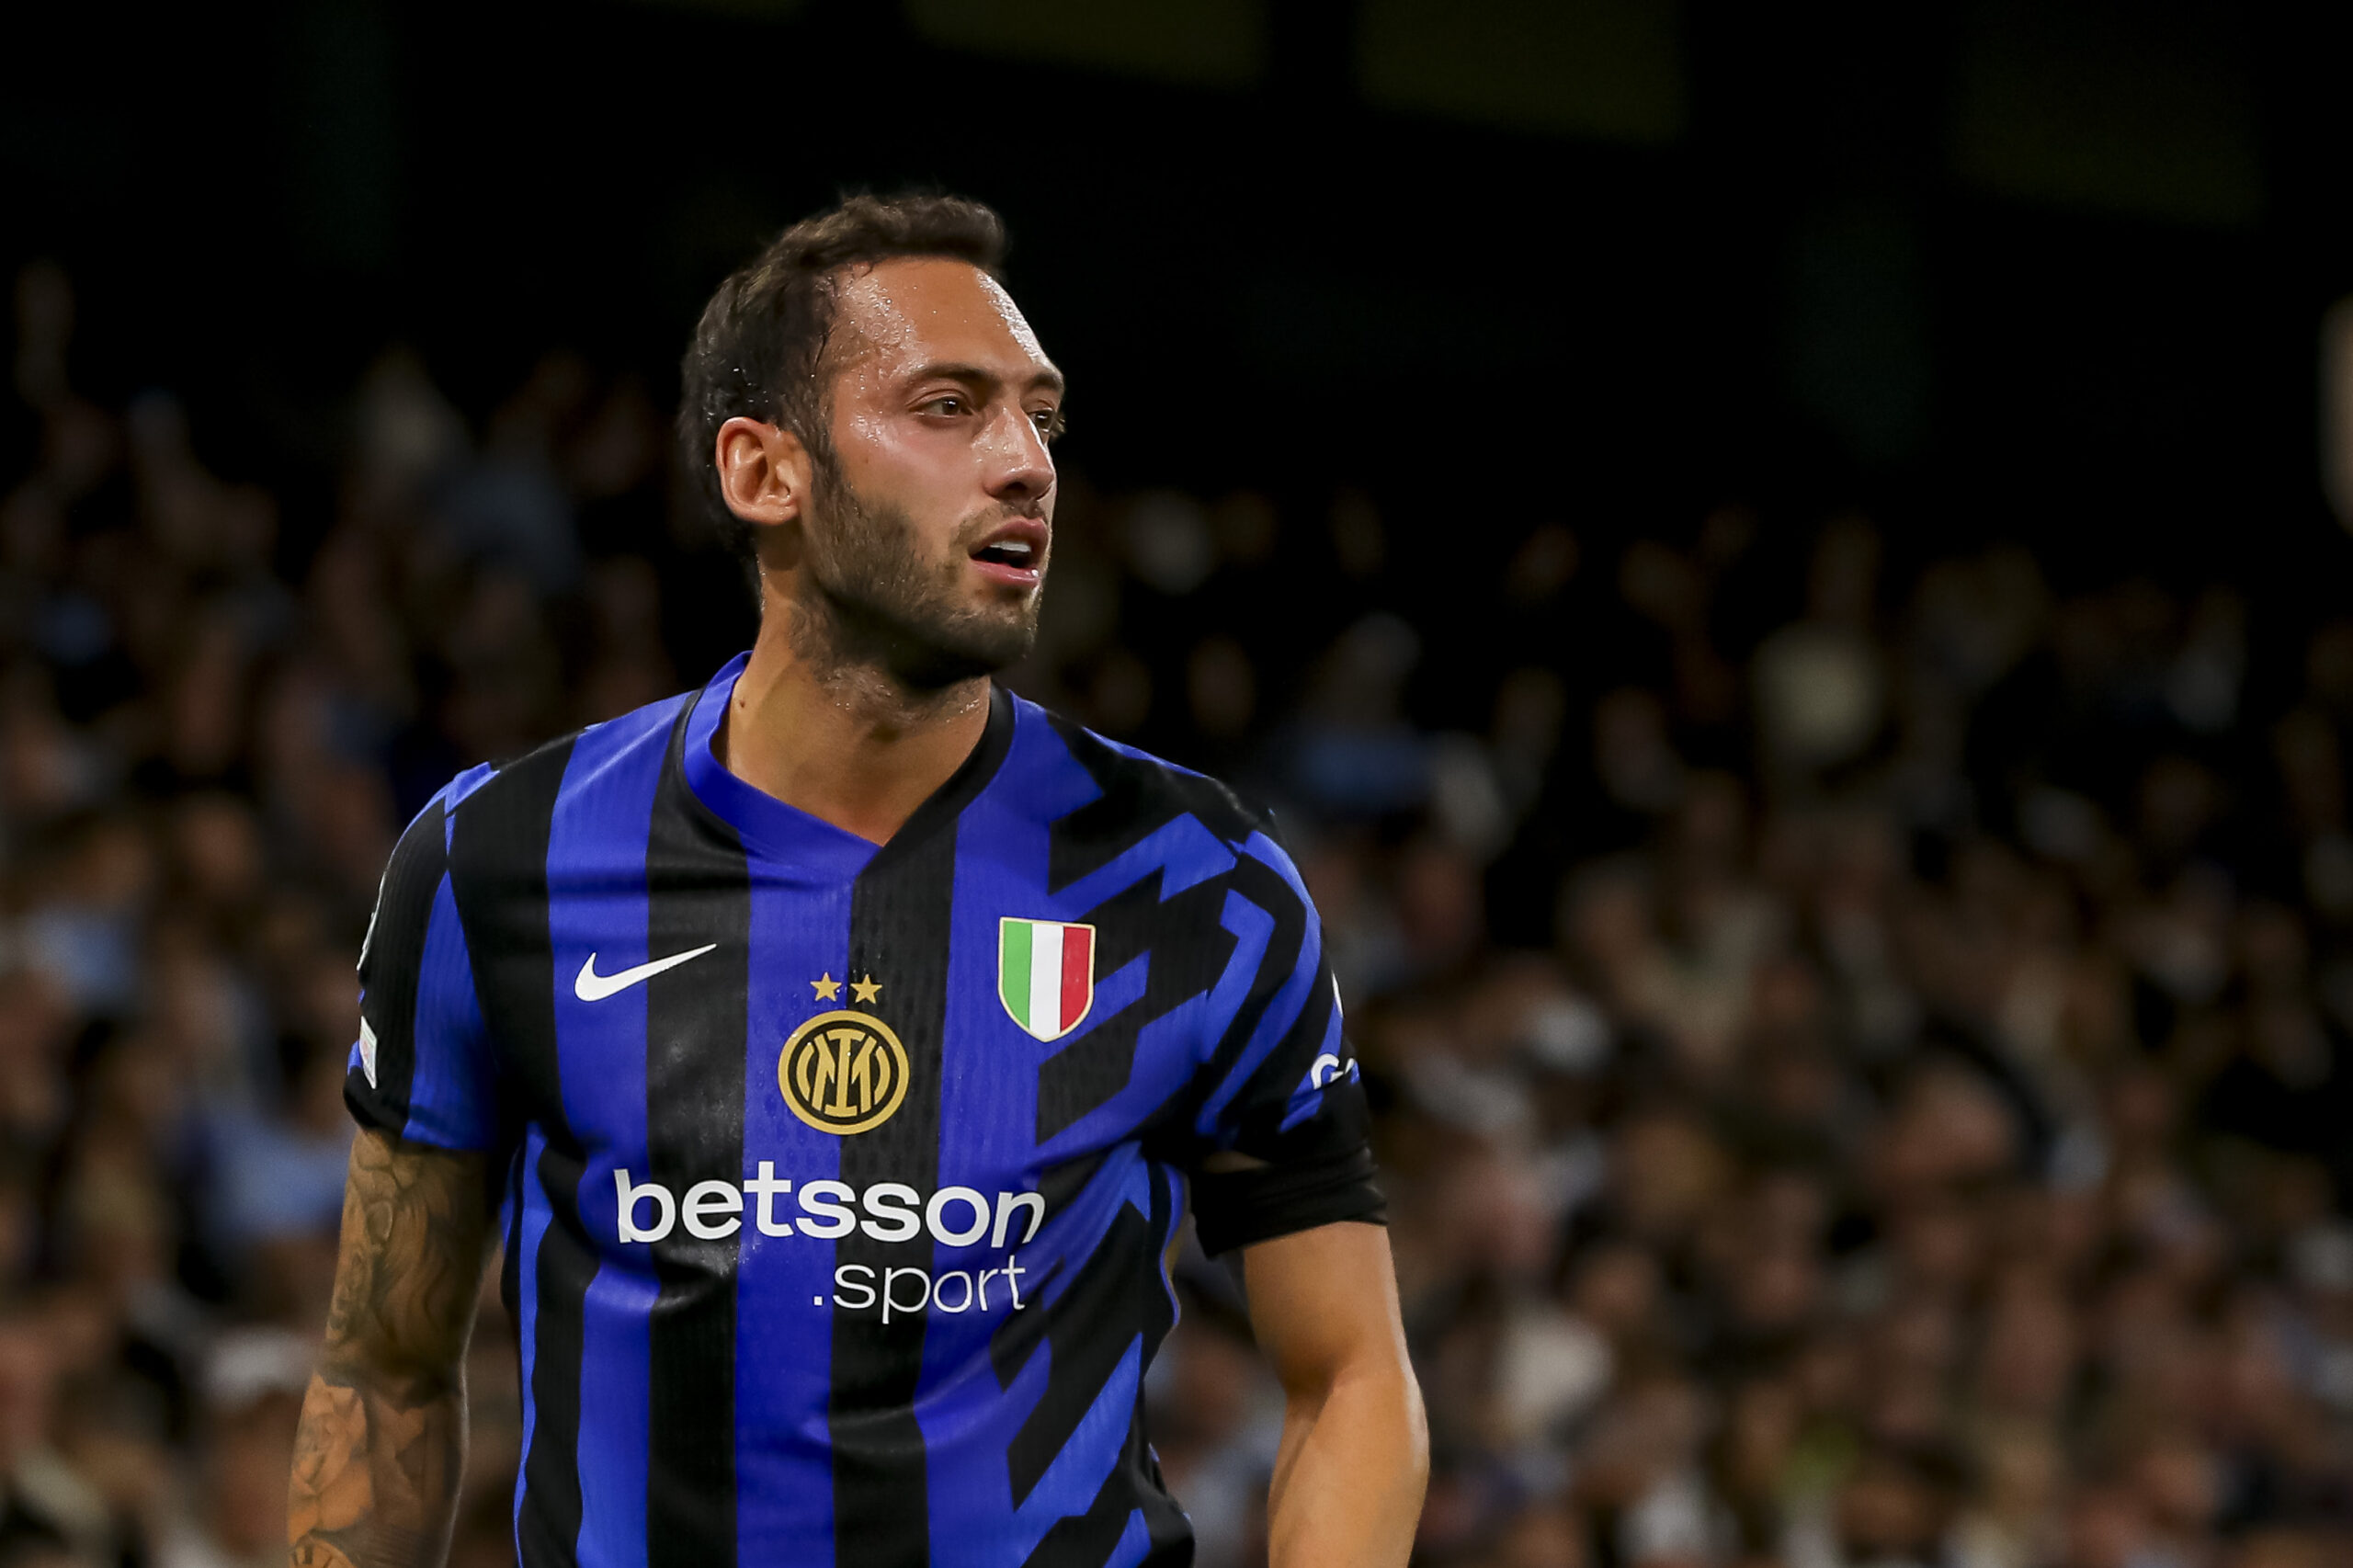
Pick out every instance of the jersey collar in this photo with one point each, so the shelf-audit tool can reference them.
(776, 831)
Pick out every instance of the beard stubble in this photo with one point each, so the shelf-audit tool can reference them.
(871, 598)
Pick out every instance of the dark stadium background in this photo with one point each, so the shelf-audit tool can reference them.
(1488, 418)
(2011, 267)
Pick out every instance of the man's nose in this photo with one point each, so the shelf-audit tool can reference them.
(1020, 466)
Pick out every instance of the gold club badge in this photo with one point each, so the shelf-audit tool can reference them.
(843, 1072)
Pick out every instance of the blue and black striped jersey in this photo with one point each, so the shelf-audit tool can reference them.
(840, 1179)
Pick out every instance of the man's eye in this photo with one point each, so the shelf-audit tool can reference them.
(949, 404)
(1048, 420)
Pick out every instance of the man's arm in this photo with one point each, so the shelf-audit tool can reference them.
(1355, 1453)
(383, 1439)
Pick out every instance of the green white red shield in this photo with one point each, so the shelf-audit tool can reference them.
(1045, 974)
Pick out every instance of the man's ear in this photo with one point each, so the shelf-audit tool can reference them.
(764, 473)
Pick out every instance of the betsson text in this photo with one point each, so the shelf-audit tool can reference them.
(953, 1216)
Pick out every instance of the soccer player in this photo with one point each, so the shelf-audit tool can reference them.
(833, 1046)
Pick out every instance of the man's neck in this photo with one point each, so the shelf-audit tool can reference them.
(844, 742)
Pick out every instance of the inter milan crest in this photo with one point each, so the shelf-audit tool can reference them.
(843, 1073)
(1045, 974)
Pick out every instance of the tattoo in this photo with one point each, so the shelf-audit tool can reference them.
(382, 1438)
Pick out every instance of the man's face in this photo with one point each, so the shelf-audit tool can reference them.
(929, 527)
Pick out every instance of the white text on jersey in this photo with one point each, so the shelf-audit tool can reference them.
(712, 1210)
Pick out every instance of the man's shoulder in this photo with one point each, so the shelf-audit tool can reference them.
(1134, 792)
(639, 738)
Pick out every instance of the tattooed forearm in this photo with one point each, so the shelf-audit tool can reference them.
(382, 1438)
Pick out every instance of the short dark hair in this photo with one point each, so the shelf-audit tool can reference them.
(759, 349)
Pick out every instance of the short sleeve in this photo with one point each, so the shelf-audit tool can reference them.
(422, 1068)
(1285, 1094)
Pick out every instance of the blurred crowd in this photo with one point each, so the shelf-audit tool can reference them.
(1856, 1039)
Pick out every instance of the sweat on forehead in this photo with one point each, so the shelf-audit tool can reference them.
(890, 304)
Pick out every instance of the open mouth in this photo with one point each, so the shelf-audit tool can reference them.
(1014, 551)
(1006, 552)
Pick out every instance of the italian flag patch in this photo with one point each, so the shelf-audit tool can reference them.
(1045, 974)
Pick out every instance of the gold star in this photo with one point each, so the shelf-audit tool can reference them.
(866, 990)
(826, 986)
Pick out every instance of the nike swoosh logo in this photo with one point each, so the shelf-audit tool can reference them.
(590, 986)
